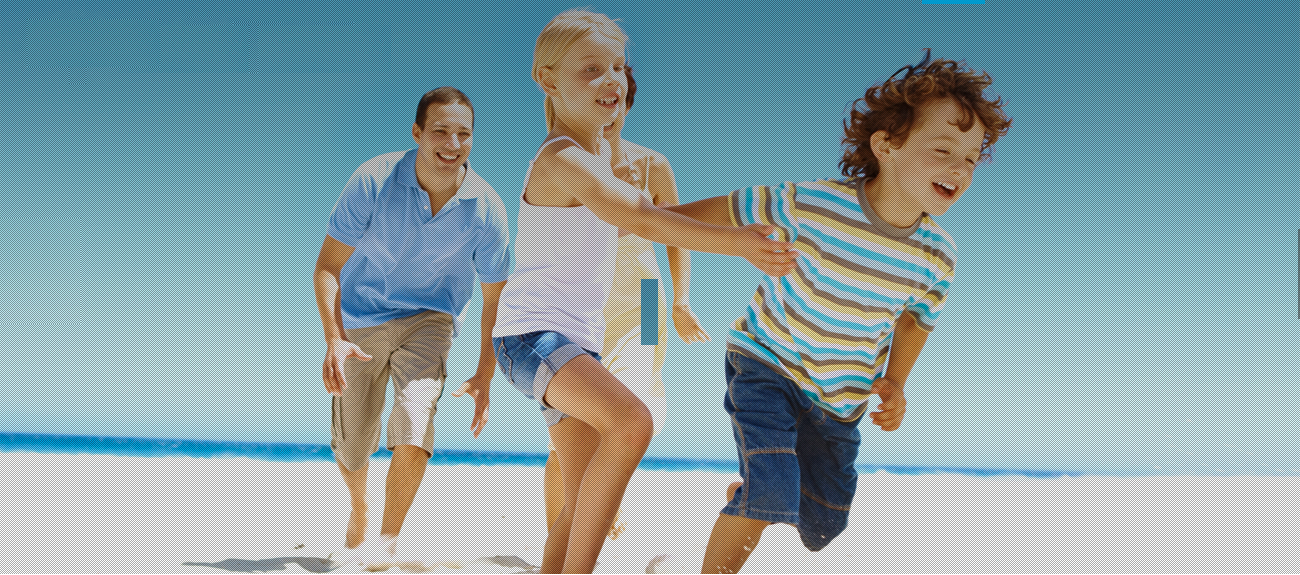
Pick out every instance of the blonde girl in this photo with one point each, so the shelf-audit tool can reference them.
(638, 366)
(549, 321)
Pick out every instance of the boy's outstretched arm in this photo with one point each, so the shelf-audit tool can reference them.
(909, 338)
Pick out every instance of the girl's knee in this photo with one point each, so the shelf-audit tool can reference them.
(634, 428)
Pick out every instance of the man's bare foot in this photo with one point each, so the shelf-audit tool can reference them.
(357, 521)
(382, 556)
(619, 525)
(732, 489)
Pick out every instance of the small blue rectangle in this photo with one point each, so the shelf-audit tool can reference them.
(952, 1)
(649, 312)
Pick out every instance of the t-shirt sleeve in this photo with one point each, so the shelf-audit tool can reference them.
(356, 205)
(773, 205)
(926, 309)
(492, 256)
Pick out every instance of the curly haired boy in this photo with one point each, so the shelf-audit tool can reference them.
(871, 277)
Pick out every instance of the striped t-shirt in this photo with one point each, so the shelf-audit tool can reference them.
(829, 324)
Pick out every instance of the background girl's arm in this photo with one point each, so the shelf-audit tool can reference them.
(663, 188)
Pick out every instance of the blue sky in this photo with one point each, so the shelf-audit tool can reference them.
(1127, 283)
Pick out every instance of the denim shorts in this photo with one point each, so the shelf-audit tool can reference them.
(530, 360)
(797, 462)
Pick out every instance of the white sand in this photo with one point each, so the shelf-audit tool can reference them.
(94, 513)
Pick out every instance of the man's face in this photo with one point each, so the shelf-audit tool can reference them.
(446, 137)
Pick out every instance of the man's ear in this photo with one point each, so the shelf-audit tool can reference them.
(416, 131)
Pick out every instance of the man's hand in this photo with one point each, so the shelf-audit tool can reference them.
(892, 404)
(332, 371)
(477, 387)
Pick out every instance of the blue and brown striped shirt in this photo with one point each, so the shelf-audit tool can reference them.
(829, 324)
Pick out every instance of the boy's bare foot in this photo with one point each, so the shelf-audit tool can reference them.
(619, 525)
(732, 489)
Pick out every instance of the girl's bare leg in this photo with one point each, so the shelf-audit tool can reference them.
(577, 441)
(552, 488)
(586, 391)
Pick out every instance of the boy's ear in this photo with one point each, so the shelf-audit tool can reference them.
(546, 78)
(880, 145)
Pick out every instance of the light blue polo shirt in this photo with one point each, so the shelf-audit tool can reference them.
(407, 260)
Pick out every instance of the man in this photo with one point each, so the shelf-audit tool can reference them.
(395, 273)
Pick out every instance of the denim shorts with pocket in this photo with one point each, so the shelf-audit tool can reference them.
(797, 462)
(530, 360)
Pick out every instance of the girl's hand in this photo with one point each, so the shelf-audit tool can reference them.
(769, 256)
(688, 326)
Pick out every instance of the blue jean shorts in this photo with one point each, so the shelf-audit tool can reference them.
(797, 462)
(530, 360)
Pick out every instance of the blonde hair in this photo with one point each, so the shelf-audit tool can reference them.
(562, 32)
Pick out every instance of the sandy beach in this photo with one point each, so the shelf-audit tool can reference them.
(100, 513)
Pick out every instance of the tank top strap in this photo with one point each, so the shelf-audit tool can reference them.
(529, 174)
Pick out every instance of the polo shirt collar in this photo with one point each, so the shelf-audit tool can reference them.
(472, 187)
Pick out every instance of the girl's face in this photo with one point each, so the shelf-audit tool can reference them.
(614, 130)
(588, 83)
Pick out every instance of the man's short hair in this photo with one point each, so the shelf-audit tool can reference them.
(443, 95)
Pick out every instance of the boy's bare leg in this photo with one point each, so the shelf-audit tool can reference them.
(731, 542)
(405, 473)
(585, 390)
(357, 522)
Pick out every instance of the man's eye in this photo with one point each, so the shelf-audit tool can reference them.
(592, 69)
(941, 150)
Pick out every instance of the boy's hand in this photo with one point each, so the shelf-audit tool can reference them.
(892, 404)
(477, 387)
(769, 256)
(336, 353)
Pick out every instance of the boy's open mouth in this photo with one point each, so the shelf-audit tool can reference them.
(944, 190)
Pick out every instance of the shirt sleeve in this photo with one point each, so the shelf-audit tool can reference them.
(356, 205)
(943, 265)
(773, 205)
(492, 256)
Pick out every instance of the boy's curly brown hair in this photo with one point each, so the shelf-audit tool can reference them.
(891, 106)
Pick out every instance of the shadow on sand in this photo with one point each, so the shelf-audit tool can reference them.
(503, 563)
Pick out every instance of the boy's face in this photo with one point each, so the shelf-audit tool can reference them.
(935, 165)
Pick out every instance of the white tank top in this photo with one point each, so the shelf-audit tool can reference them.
(564, 268)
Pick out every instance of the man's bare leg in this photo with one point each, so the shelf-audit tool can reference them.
(405, 473)
(357, 522)
(731, 542)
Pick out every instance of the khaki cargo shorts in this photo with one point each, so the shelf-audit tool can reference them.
(412, 351)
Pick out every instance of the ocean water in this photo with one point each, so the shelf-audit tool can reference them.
(290, 452)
